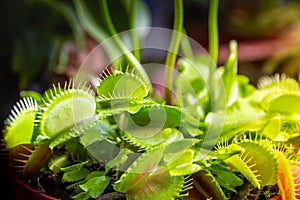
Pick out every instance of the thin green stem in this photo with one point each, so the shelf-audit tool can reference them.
(213, 30)
(134, 36)
(213, 48)
(130, 57)
(173, 49)
(107, 19)
(88, 22)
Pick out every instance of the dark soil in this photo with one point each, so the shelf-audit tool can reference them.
(55, 187)
(50, 185)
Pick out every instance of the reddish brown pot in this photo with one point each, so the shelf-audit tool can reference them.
(24, 191)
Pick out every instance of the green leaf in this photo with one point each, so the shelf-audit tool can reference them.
(73, 134)
(185, 169)
(97, 140)
(145, 137)
(228, 151)
(245, 88)
(191, 84)
(180, 163)
(105, 128)
(76, 166)
(76, 149)
(272, 130)
(175, 149)
(75, 174)
(278, 94)
(182, 157)
(243, 115)
(20, 123)
(33, 94)
(163, 116)
(95, 186)
(55, 164)
(120, 159)
(150, 137)
(94, 174)
(81, 196)
(206, 187)
(159, 185)
(240, 165)
(64, 108)
(170, 135)
(35, 160)
(114, 105)
(122, 85)
(229, 75)
(257, 163)
(141, 168)
(264, 160)
(288, 103)
(148, 127)
(225, 178)
(103, 150)
(92, 135)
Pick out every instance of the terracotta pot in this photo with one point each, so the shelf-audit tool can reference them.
(24, 192)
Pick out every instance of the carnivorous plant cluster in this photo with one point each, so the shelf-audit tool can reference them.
(222, 138)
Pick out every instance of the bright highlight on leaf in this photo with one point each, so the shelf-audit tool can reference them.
(64, 108)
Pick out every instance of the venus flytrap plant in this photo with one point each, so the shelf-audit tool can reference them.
(121, 140)
(23, 114)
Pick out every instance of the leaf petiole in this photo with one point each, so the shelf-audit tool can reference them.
(173, 49)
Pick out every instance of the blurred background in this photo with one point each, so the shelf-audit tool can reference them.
(45, 41)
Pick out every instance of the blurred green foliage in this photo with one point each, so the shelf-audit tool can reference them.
(33, 31)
